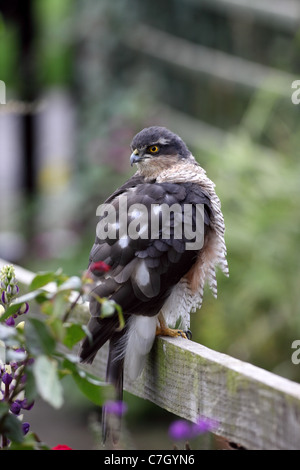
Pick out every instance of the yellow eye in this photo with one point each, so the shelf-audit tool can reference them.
(154, 148)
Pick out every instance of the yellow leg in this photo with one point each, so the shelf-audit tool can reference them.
(164, 330)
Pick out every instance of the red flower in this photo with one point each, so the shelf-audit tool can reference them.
(61, 447)
(99, 266)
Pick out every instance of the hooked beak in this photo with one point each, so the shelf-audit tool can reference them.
(135, 157)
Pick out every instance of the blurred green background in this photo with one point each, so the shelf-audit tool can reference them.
(82, 77)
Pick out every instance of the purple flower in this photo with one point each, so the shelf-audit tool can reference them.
(204, 425)
(10, 321)
(15, 407)
(117, 408)
(24, 308)
(26, 405)
(20, 350)
(7, 378)
(15, 290)
(23, 378)
(25, 427)
(180, 429)
(4, 298)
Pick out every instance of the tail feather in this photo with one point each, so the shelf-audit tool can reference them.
(100, 332)
(136, 338)
(111, 423)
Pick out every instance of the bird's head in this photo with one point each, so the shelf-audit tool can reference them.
(157, 148)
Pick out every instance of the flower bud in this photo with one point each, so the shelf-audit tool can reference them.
(15, 407)
(20, 326)
(24, 308)
(15, 290)
(7, 378)
(10, 321)
(27, 406)
(25, 427)
(4, 298)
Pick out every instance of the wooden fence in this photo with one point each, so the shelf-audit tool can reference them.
(253, 407)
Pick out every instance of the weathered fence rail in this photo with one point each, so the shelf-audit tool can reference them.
(253, 407)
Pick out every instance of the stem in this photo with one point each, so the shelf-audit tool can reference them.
(6, 398)
(4, 441)
(15, 391)
(72, 306)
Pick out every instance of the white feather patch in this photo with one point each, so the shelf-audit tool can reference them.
(140, 338)
(142, 276)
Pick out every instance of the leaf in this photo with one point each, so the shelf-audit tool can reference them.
(73, 283)
(30, 442)
(73, 334)
(38, 337)
(47, 307)
(42, 279)
(88, 384)
(57, 328)
(44, 297)
(60, 303)
(47, 381)
(13, 308)
(92, 391)
(11, 427)
(30, 385)
(3, 408)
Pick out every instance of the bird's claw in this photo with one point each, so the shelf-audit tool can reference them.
(181, 333)
(188, 334)
(166, 331)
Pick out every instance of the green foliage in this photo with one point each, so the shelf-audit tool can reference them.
(53, 42)
(44, 362)
(48, 386)
(8, 53)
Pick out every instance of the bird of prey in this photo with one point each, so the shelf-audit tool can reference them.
(156, 275)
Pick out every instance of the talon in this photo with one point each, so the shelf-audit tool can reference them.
(188, 334)
(164, 330)
(182, 334)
